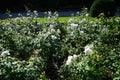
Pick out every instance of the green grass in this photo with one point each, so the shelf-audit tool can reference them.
(61, 19)
(66, 19)
(42, 20)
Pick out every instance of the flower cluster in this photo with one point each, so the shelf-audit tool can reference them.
(4, 53)
(70, 58)
(31, 49)
(88, 49)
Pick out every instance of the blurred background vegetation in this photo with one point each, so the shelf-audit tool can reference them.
(45, 5)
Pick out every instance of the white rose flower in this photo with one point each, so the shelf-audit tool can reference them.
(83, 20)
(74, 25)
(88, 49)
(49, 13)
(49, 17)
(70, 20)
(58, 31)
(5, 53)
(87, 14)
(51, 26)
(53, 37)
(69, 60)
(81, 32)
(74, 56)
(14, 62)
(52, 30)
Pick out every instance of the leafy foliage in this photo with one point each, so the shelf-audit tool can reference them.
(39, 50)
(13, 69)
(103, 6)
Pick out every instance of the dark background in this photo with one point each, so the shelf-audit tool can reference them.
(45, 5)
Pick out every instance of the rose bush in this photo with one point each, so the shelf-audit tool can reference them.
(82, 48)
